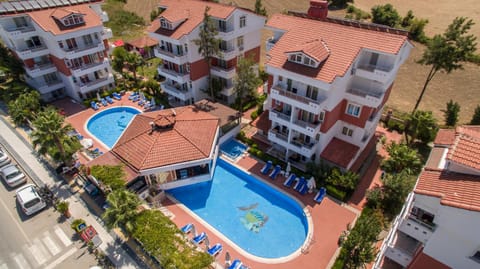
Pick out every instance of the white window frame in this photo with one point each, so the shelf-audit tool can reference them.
(321, 116)
(243, 21)
(353, 110)
(240, 42)
(347, 131)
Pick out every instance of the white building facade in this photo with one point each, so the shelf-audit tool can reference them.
(185, 69)
(64, 48)
(328, 84)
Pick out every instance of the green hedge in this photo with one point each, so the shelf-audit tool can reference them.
(336, 193)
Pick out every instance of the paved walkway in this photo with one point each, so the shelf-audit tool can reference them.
(41, 175)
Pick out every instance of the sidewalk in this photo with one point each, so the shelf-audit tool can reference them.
(40, 175)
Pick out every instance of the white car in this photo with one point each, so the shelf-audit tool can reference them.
(4, 159)
(30, 200)
(12, 175)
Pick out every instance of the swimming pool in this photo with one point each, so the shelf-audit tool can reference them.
(108, 125)
(232, 148)
(261, 220)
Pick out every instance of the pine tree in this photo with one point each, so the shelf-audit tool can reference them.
(476, 116)
(451, 113)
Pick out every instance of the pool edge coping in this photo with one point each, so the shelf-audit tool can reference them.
(241, 251)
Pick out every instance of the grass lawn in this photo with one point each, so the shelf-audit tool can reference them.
(460, 86)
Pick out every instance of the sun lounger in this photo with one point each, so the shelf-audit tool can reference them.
(133, 96)
(187, 228)
(236, 264)
(266, 167)
(289, 181)
(109, 99)
(141, 102)
(199, 238)
(104, 102)
(94, 105)
(300, 183)
(275, 171)
(303, 189)
(217, 248)
(117, 96)
(320, 195)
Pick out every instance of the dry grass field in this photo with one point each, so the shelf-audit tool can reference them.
(461, 86)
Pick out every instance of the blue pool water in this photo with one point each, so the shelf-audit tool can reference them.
(108, 125)
(232, 148)
(261, 220)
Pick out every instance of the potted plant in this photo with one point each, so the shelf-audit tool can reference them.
(62, 207)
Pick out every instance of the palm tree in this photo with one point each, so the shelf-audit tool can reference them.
(122, 210)
(208, 44)
(24, 108)
(402, 158)
(133, 61)
(51, 137)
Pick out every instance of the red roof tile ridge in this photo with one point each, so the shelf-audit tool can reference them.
(460, 205)
(429, 193)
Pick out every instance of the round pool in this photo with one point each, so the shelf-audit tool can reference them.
(108, 125)
(261, 220)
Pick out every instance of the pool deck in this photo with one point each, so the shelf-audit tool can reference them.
(329, 218)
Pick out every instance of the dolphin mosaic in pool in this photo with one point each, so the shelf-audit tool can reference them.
(253, 220)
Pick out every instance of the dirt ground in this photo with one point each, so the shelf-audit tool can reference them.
(460, 86)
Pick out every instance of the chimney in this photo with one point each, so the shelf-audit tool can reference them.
(318, 9)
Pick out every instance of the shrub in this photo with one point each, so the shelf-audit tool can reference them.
(356, 13)
(254, 115)
(385, 15)
(336, 193)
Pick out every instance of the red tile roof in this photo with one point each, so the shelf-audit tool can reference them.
(185, 137)
(110, 159)
(466, 147)
(339, 152)
(44, 18)
(190, 12)
(142, 42)
(454, 189)
(316, 49)
(344, 43)
(445, 137)
(422, 261)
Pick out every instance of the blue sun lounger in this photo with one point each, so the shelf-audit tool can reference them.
(298, 187)
(199, 238)
(104, 102)
(303, 189)
(109, 99)
(133, 96)
(289, 181)
(217, 248)
(236, 264)
(320, 195)
(187, 228)
(117, 96)
(275, 171)
(266, 167)
(94, 105)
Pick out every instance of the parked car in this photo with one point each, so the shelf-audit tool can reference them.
(12, 175)
(4, 159)
(30, 200)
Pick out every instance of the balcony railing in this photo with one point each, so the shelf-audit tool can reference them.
(175, 91)
(225, 72)
(173, 74)
(72, 51)
(87, 68)
(372, 68)
(96, 83)
(32, 52)
(294, 96)
(41, 69)
(305, 124)
(18, 32)
(279, 135)
(429, 225)
(281, 115)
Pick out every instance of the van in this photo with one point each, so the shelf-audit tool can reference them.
(29, 199)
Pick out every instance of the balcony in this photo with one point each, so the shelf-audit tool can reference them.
(21, 32)
(34, 52)
(402, 249)
(228, 90)
(107, 33)
(170, 56)
(89, 68)
(174, 91)
(228, 53)
(417, 228)
(278, 137)
(308, 128)
(279, 117)
(302, 147)
(302, 102)
(225, 32)
(379, 73)
(43, 87)
(224, 72)
(270, 43)
(85, 50)
(92, 85)
(369, 97)
(173, 75)
(41, 69)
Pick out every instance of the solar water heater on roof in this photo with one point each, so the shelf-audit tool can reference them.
(73, 1)
(50, 3)
(26, 5)
(42, 4)
(8, 6)
(2, 9)
(34, 4)
(17, 6)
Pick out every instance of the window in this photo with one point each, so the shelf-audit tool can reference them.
(20, 22)
(73, 20)
(312, 92)
(222, 26)
(321, 116)
(165, 24)
(243, 21)
(71, 43)
(346, 131)
(186, 48)
(353, 110)
(50, 78)
(240, 42)
(87, 39)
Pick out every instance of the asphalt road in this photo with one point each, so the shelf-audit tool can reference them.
(43, 240)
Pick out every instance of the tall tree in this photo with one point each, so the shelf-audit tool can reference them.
(122, 210)
(133, 61)
(448, 51)
(422, 125)
(50, 136)
(476, 116)
(208, 45)
(386, 15)
(246, 81)
(24, 108)
(451, 113)
(402, 158)
(347, 180)
(259, 8)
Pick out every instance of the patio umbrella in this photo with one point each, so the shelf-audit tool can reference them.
(86, 143)
(152, 102)
(207, 242)
(98, 96)
(142, 96)
(227, 258)
(288, 169)
(194, 231)
(311, 184)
